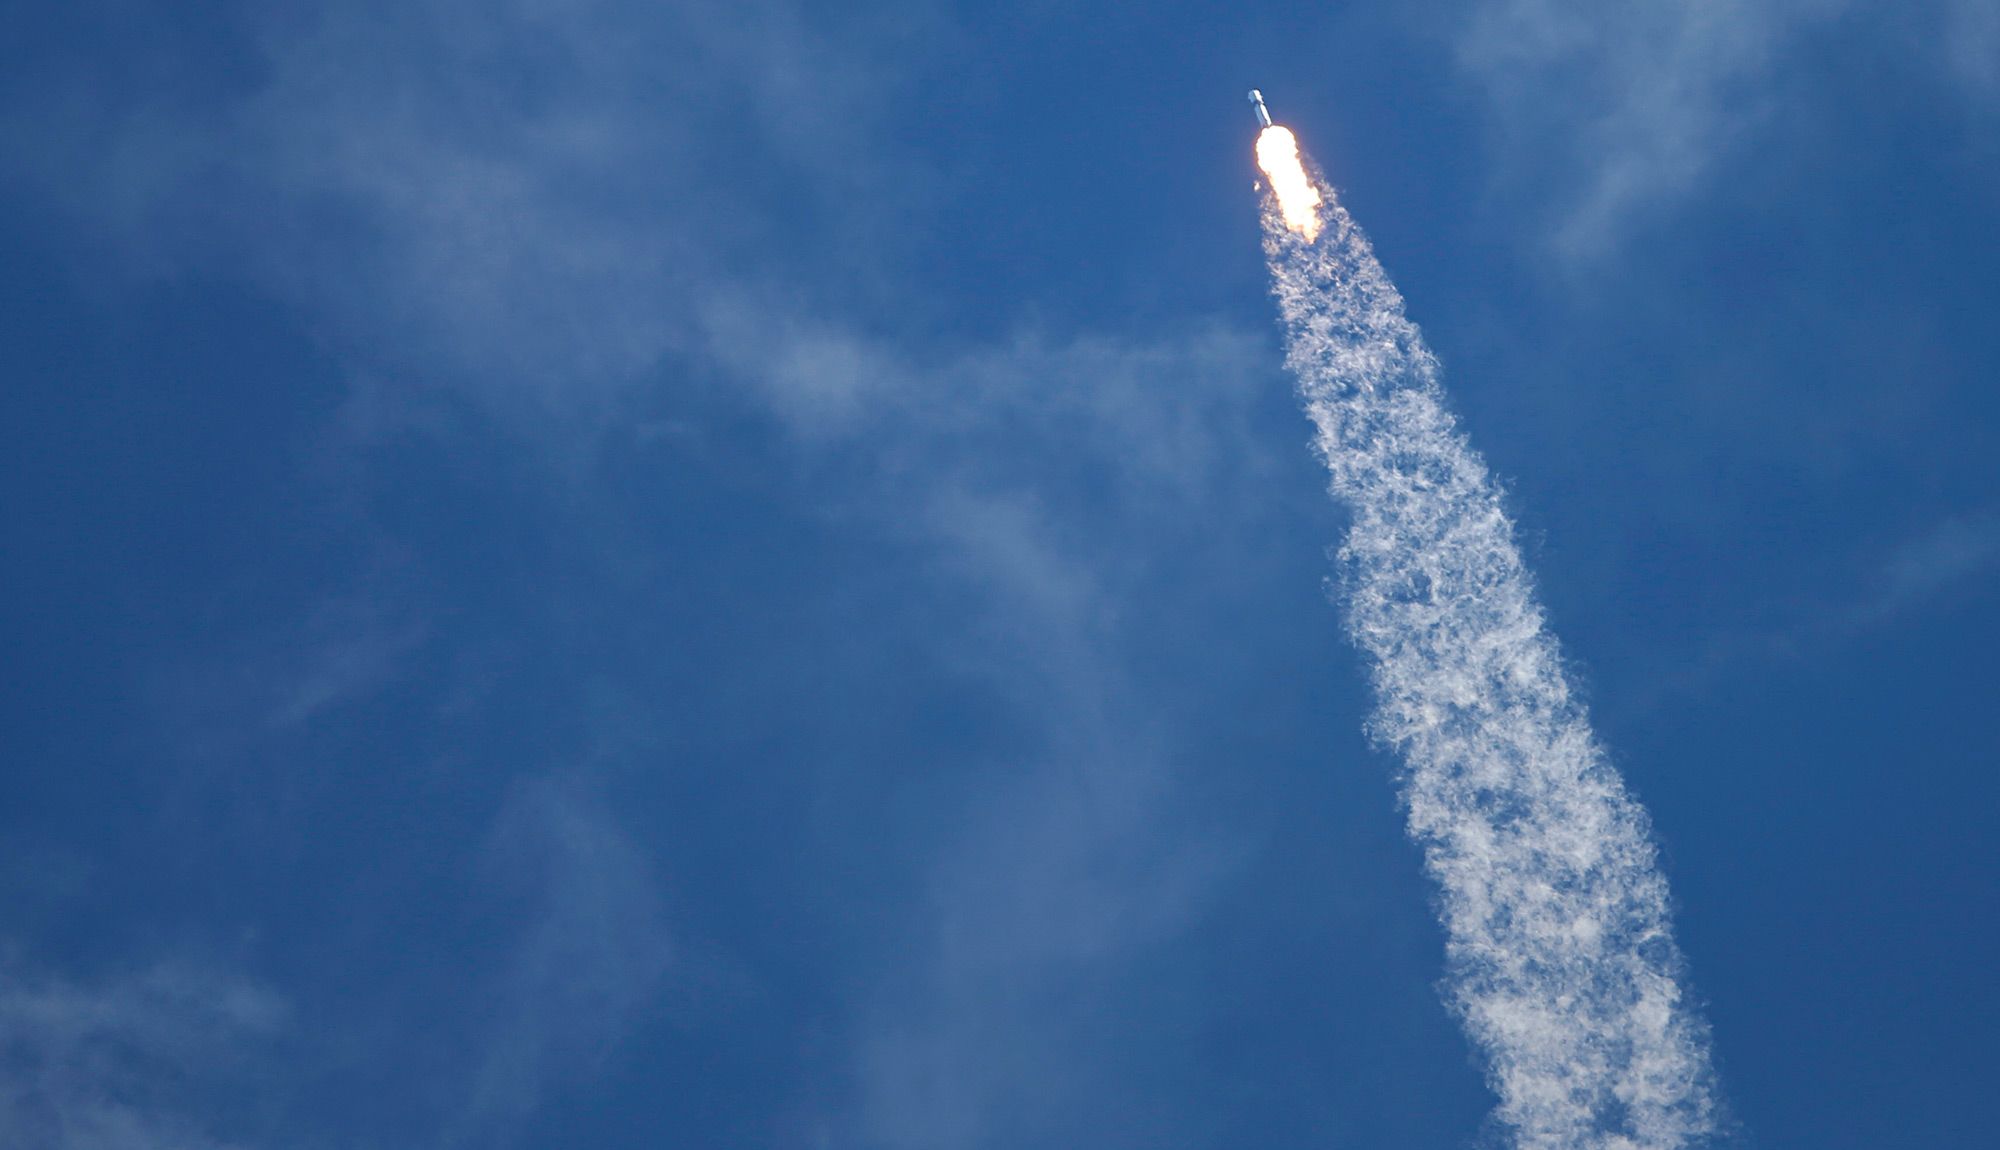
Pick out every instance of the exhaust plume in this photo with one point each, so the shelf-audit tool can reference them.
(1561, 959)
(1298, 199)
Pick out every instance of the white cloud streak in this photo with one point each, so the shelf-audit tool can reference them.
(1972, 43)
(590, 965)
(1562, 963)
(520, 202)
(111, 1066)
(1630, 104)
(1076, 855)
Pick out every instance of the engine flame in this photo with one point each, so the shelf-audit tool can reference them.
(1278, 155)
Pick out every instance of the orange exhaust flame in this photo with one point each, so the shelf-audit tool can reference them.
(1278, 155)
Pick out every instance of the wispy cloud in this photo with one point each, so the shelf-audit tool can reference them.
(1066, 882)
(1629, 107)
(1931, 564)
(1620, 111)
(1072, 861)
(128, 1062)
(1888, 587)
(279, 679)
(1971, 37)
(1078, 856)
(518, 203)
(588, 967)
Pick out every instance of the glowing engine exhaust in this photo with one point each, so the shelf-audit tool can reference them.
(1278, 155)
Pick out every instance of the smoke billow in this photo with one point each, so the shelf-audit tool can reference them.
(1562, 963)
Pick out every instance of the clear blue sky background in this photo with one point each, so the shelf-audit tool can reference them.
(746, 574)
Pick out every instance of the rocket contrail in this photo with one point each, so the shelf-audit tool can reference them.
(1561, 958)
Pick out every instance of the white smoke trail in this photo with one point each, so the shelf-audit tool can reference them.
(1561, 959)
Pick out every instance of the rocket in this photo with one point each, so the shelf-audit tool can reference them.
(1263, 116)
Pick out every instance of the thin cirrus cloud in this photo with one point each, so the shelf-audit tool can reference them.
(1972, 36)
(1617, 111)
(484, 196)
(589, 965)
(1628, 108)
(1079, 856)
(130, 1061)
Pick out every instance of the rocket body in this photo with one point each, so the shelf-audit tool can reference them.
(1257, 104)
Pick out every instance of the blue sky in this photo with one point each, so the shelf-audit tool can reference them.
(746, 575)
